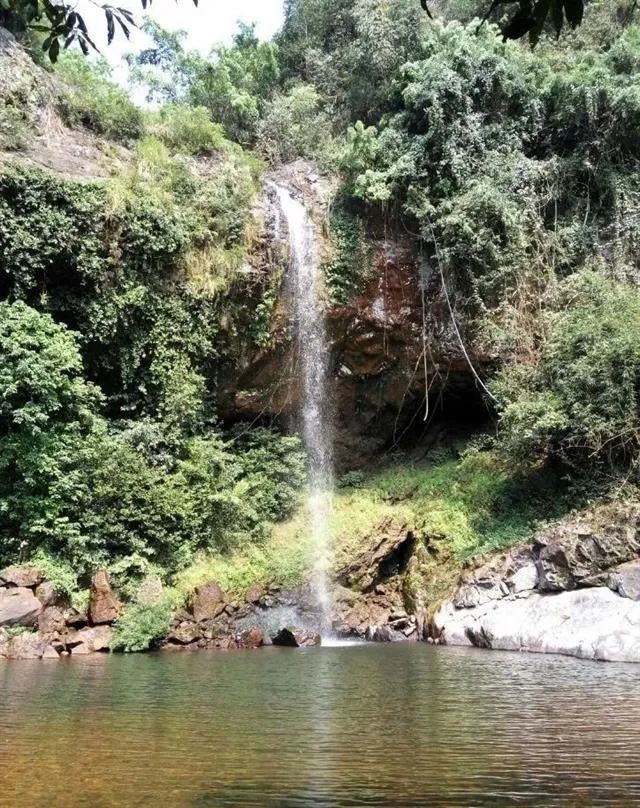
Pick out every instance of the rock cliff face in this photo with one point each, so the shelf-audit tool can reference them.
(379, 340)
(574, 590)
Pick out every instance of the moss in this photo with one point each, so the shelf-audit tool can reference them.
(350, 265)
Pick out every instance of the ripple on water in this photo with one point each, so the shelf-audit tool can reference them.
(393, 725)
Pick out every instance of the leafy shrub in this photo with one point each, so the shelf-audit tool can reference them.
(273, 468)
(187, 130)
(581, 404)
(351, 479)
(41, 380)
(58, 571)
(141, 626)
(295, 125)
(91, 99)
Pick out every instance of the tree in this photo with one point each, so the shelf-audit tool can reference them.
(233, 83)
(531, 17)
(62, 24)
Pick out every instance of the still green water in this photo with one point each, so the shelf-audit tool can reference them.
(372, 725)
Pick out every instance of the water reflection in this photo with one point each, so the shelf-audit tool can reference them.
(361, 726)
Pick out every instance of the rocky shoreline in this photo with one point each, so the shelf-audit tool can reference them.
(574, 589)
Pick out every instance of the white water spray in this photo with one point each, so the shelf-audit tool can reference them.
(313, 367)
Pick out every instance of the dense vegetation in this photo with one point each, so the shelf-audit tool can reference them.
(124, 298)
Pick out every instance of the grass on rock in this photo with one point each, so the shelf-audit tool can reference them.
(462, 506)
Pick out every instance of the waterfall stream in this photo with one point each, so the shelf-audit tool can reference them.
(312, 367)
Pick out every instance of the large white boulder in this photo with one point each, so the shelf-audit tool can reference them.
(593, 623)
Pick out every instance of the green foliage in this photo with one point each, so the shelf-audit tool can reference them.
(296, 125)
(457, 507)
(273, 467)
(527, 18)
(76, 494)
(116, 263)
(141, 626)
(41, 375)
(186, 130)
(232, 85)
(235, 84)
(581, 403)
(91, 99)
(235, 491)
(130, 268)
(350, 263)
(468, 505)
(515, 171)
(350, 50)
(59, 572)
(62, 24)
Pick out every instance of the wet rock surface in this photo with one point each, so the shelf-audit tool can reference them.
(295, 638)
(378, 378)
(574, 590)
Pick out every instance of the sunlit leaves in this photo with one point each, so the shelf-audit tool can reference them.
(63, 24)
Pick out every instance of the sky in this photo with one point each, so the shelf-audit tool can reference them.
(212, 22)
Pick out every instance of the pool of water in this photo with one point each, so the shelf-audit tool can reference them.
(370, 725)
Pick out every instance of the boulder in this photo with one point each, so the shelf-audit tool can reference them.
(381, 634)
(525, 579)
(295, 638)
(386, 556)
(208, 601)
(18, 607)
(51, 621)
(182, 616)
(625, 580)
(215, 629)
(26, 646)
(251, 638)
(104, 607)
(46, 593)
(226, 643)
(21, 576)
(89, 639)
(254, 594)
(574, 553)
(554, 571)
(590, 623)
(185, 633)
(75, 619)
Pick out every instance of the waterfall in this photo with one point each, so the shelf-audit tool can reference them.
(312, 351)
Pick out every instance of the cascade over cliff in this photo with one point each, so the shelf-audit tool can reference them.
(379, 338)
